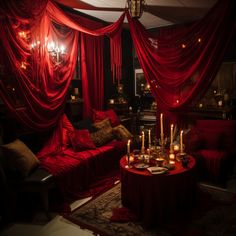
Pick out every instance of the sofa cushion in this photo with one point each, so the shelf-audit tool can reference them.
(101, 115)
(81, 140)
(19, 158)
(102, 124)
(102, 136)
(121, 133)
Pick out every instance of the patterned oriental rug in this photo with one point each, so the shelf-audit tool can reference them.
(214, 214)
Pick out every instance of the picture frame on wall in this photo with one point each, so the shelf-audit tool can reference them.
(139, 81)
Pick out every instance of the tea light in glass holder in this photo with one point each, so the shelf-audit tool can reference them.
(172, 156)
(176, 147)
(172, 163)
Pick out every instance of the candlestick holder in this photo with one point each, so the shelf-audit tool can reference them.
(162, 141)
(142, 150)
(128, 161)
(180, 156)
(171, 148)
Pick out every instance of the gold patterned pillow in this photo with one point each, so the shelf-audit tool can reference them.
(19, 158)
(103, 124)
(121, 133)
(102, 136)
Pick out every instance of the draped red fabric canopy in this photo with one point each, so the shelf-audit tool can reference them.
(178, 63)
(34, 87)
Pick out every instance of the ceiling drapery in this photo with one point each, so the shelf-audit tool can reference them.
(178, 63)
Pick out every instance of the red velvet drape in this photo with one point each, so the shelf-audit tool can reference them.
(180, 63)
(92, 64)
(33, 86)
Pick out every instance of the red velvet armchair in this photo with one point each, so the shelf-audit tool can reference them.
(213, 144)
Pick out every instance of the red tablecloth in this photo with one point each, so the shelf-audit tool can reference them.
(157, 198)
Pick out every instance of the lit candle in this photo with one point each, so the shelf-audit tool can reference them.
(161, 124)
(171, 134)
(181, 141)
(128, 147)
(143, 137)
(149, 138)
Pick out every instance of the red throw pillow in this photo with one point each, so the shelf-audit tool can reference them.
(81, 140)
(67, 128)
(101, 115)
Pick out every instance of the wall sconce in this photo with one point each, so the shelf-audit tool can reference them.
(136, 8)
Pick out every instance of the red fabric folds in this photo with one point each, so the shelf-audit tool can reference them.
(34, 87)
(180, 63)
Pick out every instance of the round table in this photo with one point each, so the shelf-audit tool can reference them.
(156, 198)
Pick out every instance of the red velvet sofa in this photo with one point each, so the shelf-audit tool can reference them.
(70, 160)
(213, 144)
(76, 155)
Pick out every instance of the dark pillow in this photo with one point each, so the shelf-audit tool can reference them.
(101, 115)
(85, 124)
(19, 158)
(102, 136)
(81, 140)
(121, 133)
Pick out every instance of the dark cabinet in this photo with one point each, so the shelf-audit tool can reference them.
(74, 109)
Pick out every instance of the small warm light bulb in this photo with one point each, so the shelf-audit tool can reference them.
(51, 46)
(177, 101)
(199, 40)
(62, 49)
(183, 45)
(23, 65)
